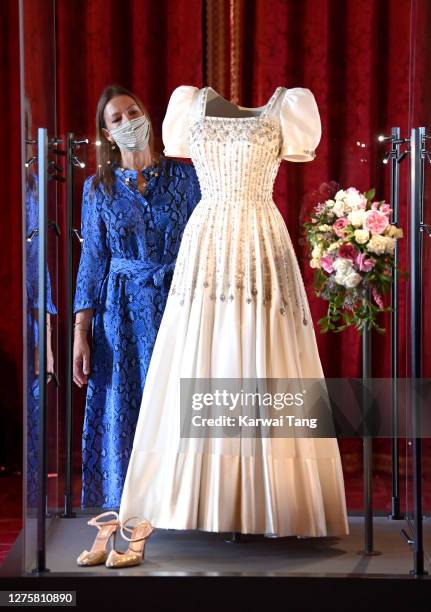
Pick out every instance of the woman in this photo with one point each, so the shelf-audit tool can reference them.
(134, 211)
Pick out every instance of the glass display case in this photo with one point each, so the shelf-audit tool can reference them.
(386, 468)
(42, 431)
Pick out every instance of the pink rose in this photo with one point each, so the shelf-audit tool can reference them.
(377, 298)
(375, 221)
(375, 205)
(363, 263)
(348, 251)
(339, 226)
(326, 263)
(385, 209)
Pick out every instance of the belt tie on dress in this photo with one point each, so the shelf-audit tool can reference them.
(145, 270)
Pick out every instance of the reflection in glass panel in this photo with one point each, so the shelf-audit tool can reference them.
(38, 103)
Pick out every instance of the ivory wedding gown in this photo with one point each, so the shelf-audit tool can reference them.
(237, 308)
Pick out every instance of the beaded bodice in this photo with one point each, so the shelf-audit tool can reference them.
(236, 158)
(236, 244)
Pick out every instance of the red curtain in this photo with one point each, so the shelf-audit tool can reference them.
(149, 47)
(10, 250)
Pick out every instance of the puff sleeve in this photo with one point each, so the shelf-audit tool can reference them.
(176, 122)
(300, 125)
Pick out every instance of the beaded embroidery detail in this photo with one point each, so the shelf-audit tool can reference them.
(244, 246)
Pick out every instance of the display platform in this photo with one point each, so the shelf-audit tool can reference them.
(173, 552)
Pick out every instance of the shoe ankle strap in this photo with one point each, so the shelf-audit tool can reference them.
(94, 521)
(123, 526)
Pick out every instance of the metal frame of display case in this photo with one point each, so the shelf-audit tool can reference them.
(42, 139)
(71, 233)
(417, 153)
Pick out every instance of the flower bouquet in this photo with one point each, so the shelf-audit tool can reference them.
(352, 245)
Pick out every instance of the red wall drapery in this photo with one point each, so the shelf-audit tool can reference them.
(10, 249)
(149, 47)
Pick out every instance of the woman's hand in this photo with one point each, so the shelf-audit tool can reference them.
(49, 352)
(81, 358)
(81, 348)
(49, 360)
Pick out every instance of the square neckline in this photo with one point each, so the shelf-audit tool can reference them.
(265, 108)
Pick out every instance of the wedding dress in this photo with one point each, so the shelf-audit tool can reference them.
(237, 308)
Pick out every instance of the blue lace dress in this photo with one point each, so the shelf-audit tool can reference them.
(128, 255)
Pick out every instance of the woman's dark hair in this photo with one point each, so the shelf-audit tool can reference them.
(108, 153)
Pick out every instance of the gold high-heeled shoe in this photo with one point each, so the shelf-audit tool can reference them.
(98, 553)
(134, 554)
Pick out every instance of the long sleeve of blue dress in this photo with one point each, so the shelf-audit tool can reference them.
(95, 254)
(32, 254)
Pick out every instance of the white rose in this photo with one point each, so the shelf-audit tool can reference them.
(354, 199)
(317, 251)
(329, 203)
(356, 217)
(315, 263)
(377, 244)
(361, 236)
(341, 279)
(345, 274)
(352, 280)
(342, 266)
(339, 208)
(324, 228)
(341, 194)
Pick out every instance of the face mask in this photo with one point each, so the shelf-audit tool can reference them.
(132, 135)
